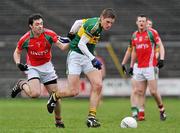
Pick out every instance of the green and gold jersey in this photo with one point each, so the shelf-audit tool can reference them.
(91, 28)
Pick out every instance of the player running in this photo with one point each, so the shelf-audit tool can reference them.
(39, 69)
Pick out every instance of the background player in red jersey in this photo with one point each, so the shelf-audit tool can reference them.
(39, 69)
(136, 101)
(144, 42)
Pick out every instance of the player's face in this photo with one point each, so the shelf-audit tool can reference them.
(141, 23)
(106, 23)
(149, 24)
(37, 26)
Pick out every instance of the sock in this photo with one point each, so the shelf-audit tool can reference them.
(22, 83)
(161, 108)
(57, 119)
(134, 111)
(92, 112)
(141, 112)
(54, 96)
(141, 109)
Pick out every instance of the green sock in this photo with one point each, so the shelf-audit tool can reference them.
(134, 111)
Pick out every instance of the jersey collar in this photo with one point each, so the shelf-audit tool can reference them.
(32, 35)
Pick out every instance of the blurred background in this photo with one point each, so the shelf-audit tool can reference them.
(60, 15)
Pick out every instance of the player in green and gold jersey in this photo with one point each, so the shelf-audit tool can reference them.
(86, 34)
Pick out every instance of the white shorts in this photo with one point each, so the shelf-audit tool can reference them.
(77, 63)
(147, 73)
(44, 72)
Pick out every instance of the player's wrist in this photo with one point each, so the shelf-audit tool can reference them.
(17, 64)
(71, 36)
(123, 65)
(96, 63)
(22, 67)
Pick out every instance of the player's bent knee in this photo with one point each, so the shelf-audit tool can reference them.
(97, 87)
(153, 92)
(74, 92)
(140, 92)
(35, 94)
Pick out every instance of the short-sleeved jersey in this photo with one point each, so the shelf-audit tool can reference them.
(92, 29)
(38, 49)
(145, 43)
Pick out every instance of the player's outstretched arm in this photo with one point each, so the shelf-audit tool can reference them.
(162, 54)
(17, 60)
(63, 43)
(125, 59)
(82, 46)
(126, 56)
(162, 50)
(17, 56)
(133, 57)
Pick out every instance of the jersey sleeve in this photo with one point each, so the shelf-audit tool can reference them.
(23, 41)
(53, 37)
(133, 38)
(19, 44)
(156, 36)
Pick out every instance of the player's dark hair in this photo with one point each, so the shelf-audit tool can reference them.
(142, 15)
(108, 13)
(33, 17)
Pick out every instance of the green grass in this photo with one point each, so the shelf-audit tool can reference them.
(31, 116)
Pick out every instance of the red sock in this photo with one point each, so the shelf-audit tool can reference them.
(141, 116)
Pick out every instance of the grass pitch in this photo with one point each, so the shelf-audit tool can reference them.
(31, 116)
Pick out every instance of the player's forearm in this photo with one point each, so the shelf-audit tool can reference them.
(133, 58)
(126, 57)
(157, 55)
(162, 51)
(65, 46)
(17, 56)
(62, 46)
(82, 46)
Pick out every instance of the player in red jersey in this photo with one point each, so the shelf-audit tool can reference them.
(137, 112)
(39, 69)
(144, 42)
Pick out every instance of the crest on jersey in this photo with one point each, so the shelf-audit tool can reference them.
(38, 44)
(140, 38)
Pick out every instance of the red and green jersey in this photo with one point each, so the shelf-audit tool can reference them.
(38, 49)
(145, 44)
